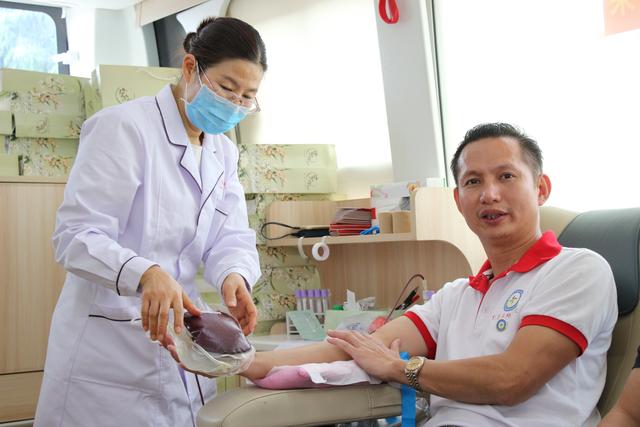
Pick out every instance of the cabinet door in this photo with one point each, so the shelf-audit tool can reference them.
(19, 396)
(30, 279)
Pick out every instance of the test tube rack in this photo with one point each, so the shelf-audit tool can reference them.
(313, 300)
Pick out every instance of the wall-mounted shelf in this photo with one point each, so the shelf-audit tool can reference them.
(434, 217)
(346, 240)
(440, 245)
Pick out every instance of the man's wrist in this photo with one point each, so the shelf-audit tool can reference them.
(257, 369)
(412, 371)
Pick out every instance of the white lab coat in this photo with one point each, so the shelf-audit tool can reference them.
(135, 198)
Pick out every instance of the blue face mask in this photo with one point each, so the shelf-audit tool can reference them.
(212, 113)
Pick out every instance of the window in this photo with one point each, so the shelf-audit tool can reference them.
(31, 37)
(169, 38)
(550, 68)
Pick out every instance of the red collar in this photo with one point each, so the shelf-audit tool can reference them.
(540, 252)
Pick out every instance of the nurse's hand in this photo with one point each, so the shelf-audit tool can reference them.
(238, 299)
(160, 293)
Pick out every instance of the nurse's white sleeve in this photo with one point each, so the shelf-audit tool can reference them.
(231, 246)
(104, 180)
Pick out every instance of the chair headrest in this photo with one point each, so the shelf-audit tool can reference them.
(615, 235)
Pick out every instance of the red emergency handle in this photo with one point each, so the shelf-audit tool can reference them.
(393, 10)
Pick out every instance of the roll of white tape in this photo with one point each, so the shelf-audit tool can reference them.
(320, 246)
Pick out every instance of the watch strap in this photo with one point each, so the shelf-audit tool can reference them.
(413, 375)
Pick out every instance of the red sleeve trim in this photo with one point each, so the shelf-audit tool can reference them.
(426, 336)
(557, 325)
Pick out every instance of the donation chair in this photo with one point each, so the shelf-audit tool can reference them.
(614, 234)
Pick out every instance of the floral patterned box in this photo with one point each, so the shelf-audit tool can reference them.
(273, 295)
(24, 81)
(291, 155)
(303, 168)
(92, 101)
(35, 92)
(6, 127)
(53, 102)
(41, 105)
(287, 279)
(43, 156)
(280, 256)
(43, 125)
(116, 84)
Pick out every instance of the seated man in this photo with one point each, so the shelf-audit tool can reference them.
(626, 413)
(521, 343)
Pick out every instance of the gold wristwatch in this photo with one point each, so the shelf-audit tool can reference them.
(412, 371)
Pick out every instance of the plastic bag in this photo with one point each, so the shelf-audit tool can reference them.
(213, 344)
(359, 321)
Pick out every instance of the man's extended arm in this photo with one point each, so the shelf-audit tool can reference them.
(401, 328)
(536, 354)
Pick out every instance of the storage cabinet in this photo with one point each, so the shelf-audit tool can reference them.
(30, 282)
(440, 246)
(19, 395)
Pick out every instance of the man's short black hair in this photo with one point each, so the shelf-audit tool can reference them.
(530, 149)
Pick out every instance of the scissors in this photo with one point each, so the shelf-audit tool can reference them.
(371, 230)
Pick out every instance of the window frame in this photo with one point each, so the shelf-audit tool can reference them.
(61, 26)
(169, 37)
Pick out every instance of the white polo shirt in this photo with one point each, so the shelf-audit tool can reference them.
(569, 290)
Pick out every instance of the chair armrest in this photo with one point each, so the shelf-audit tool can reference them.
(251, 405)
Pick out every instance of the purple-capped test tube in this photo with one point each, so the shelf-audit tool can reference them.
(324, 294)
(317, 301)
(298, 295)
(304, 298)
(310, 306)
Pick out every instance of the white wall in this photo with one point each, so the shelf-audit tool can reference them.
(324, 84)
(409, 72)
(101, 36)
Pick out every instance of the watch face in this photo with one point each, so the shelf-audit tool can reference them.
(414, 363)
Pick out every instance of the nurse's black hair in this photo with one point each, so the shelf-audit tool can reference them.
(530, 149)
(218, 39)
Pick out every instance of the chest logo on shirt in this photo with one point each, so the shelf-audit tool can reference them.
(513, 300)
(501, 325)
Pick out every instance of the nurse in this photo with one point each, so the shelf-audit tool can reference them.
(153, 194)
